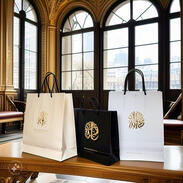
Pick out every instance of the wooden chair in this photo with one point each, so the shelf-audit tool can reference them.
(17, 114)
(173, 128)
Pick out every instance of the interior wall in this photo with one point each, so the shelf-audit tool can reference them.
(51, 14)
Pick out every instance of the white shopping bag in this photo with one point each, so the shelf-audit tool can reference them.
(140, 122)
(49, 127)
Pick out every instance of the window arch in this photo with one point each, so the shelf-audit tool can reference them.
(175, 45)
(131, 40)
(26, 49)
(77, 52)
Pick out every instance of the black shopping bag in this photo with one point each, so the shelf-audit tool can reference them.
(97, 135)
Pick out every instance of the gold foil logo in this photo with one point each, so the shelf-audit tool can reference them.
(91, 131)
(42, 119)
(136, 120)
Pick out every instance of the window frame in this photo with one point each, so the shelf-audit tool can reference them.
(131, 24)
(22, 92)
(171, 16)
(80, 31)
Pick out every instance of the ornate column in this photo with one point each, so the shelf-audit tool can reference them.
(51, 48)
(6, 50)
(51, 51)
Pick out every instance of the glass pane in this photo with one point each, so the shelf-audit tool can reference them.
(111, 38)
(18, 3)
(81, 17)
(16, 31)
(30, 37)
(78, 20)
(76, 43)
(146, 54)
(113, 19)
(88, 60)
(88, 22)
(77, 80)
(88, 41)
(66, 80)
(75, 25)
(116, 58)
(67, 26)
(16, 38)
(146, 34)
(121, 14)
(88, 80)
(143, 9)
(175, 76)
(29, 9)
(151, 77)
(175, 51)
(16, 67)
(26, 4)
(30, 70)
(175, 30)
(31, 14)
(16, 9)
(77, 62)
(66, 44)
(66, 63)
(114, 78)
(175, 7)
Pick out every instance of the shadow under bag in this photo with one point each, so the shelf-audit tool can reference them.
(97, 135)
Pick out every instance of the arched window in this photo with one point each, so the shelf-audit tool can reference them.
(77, 52)
(25, 47)
(131, 40)
(175, 45)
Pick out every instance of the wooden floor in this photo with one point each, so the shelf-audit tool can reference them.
(52, 178)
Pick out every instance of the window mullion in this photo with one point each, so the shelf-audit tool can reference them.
(131, 56)
(71, 62)
(82, 62)
(131, 9)
(22, 55)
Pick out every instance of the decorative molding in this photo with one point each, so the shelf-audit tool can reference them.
(6, 39)
(42, 6)
(1, 102)
(22, 178)
(44, 54)
(4, 103)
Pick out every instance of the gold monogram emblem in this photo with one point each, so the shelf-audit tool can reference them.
(42, 119)
(91, 131)
(136, 120)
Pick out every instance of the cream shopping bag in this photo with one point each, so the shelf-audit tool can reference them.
(49, 126)
(140, 118)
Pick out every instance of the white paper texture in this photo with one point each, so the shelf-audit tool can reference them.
(48, 120)
(144, 142)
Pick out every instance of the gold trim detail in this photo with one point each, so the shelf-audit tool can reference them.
(91, 131)
(136, 120)
(42, 119)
